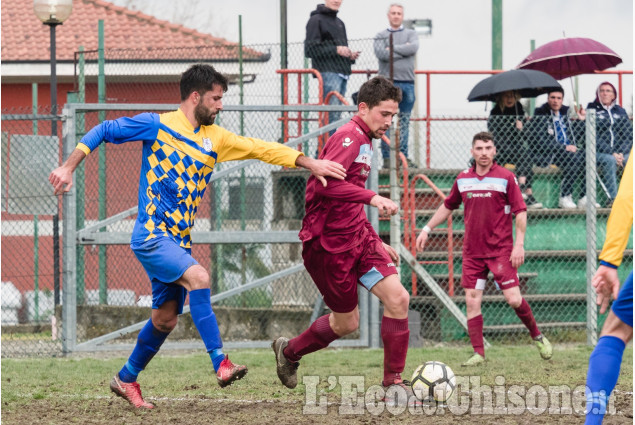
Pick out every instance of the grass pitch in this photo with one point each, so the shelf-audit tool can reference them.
(75, 390)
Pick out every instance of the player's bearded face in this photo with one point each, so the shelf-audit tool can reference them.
(204, 115)
(379, 117)
(209, 105)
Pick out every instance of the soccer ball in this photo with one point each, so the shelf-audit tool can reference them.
(433, 381)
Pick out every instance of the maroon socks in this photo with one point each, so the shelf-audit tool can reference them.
(525, 314)
(475, 331)
(319, 335)
(395, 335)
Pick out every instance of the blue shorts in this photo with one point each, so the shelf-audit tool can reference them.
(165, 262)
(623, 305)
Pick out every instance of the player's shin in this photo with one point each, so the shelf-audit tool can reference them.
(149, 341)
(604, 369)
(395, 335)
(318, 336)
(205, 321)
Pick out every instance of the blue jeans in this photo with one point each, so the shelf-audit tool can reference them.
(333, 82)
(607, 162)
(405, 109)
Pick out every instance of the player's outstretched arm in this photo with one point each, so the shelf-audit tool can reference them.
(439, 217)
(322, 168)
(62, 177)
(606, 284)
(384, 205)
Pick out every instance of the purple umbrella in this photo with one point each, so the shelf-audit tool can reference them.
(568, 57)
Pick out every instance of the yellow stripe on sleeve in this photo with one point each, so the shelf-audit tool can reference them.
(82, 147)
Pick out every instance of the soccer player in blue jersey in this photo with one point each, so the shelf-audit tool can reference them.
(180, 150)
(606, 359)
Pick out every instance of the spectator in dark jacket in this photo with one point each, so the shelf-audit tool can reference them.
(327, 46)
(554, 140)
(614, 135)
(506, 122)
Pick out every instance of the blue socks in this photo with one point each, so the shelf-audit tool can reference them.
(149, 341)
(604, 369)
(205, 321)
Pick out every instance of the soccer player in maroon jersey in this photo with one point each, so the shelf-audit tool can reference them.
(490, 195)
(341, 249)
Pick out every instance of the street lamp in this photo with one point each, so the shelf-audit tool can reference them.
(54, 13)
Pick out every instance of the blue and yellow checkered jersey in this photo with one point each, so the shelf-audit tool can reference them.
(178, 162)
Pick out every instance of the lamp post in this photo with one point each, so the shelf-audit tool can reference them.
(54, 13)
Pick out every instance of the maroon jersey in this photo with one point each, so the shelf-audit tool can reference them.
(489, 202)
(335, 213)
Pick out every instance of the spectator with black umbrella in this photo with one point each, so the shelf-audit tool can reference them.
(507, 118)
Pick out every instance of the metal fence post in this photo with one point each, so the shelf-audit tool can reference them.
(373, 216)
(69, 308)
(591, 228)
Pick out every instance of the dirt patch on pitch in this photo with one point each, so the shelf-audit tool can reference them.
(280, 412)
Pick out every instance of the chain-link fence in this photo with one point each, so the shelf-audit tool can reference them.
(551, 165)
(30, 287)
(247, 225)
(247, 234)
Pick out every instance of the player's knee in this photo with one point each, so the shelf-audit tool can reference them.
(198, 279)
(514, 301)
(345, 327)
(614, 326)
(397, 302)
(166, 324)
(472, 300)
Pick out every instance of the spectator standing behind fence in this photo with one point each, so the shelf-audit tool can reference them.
(180, 151)
(405, 46)
(490, 195)
(554, 138)
(614, 136)
(617, 331)
(341, 250)
(506, 122)
(327, 46)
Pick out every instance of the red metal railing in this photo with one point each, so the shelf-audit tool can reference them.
(285, 99)
(428, 116)
(413, 231)
(409, 193)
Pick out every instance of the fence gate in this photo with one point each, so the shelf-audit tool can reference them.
(246, 235)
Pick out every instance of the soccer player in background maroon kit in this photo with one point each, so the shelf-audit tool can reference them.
(490, 195)
(341, 249)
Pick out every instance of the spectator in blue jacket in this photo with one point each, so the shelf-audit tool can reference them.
(327, 46)
(614, 135)
(555, 139)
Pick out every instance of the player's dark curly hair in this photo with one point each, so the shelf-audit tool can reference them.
(376, 90)
(201, 78)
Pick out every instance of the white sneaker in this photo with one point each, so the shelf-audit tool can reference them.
(582, 203)
(566, 202)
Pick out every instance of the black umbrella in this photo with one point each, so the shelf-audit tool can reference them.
(526, 82)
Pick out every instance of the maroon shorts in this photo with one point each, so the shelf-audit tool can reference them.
(337, 275)
(475, 272)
